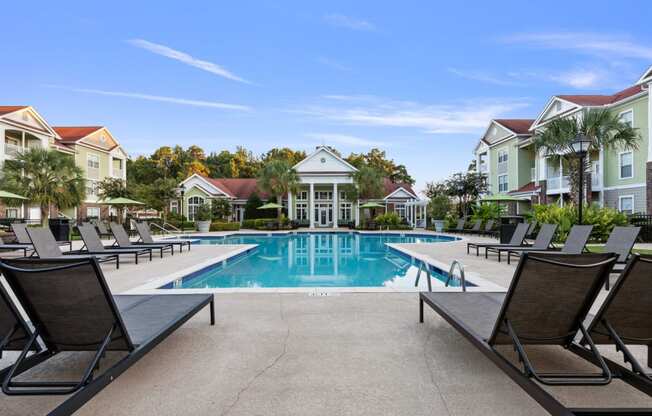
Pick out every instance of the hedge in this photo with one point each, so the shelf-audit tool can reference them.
(256, 223)
(225, 226)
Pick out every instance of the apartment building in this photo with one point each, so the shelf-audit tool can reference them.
(620, 178)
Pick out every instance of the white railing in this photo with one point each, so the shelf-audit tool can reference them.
(553, 183)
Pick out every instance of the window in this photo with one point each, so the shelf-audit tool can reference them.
(174, 207)
(626, 204)
(343, 196)
(400, 210)
(627, 117)
(302, 196)
(302, 211)
(502, 183)
(502, 156)
(93, 166)
(92, 212)
(193, 204)
(345, 211)
(11, 213)
(626, 161)
(91, 189)
(324, 195)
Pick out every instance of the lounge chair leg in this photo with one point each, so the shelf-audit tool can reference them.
(649, 355)
(477, 251)
(136, 256)
(117, 262)
(212, 305)
(499, 256)
(161, 252)
(420, 310)
(509, 257)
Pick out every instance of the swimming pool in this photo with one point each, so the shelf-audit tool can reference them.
(314, 260)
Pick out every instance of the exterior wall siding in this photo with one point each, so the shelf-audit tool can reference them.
(639, 193)
(512, 165)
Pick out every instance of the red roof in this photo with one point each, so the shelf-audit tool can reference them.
(595, 100)
(517, 125)
(6, 109)
(528, 187)
(243, 188)
(75, 133)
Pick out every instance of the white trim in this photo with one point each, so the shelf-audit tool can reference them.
(620, 170)
(327, 150)
(399, 189)
(620, 199)
(617, 187)
(538, 121)
(215, 188)
(629, 110)
(506, 183)
(647, 76)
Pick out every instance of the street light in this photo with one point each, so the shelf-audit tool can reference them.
(580, 146)
(182, 188)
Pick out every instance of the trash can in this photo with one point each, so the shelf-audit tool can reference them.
(60, 227)
(508, 226)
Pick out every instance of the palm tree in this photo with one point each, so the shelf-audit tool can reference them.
(277, 178)
(47, 178)
(602, 127)
(369, 183)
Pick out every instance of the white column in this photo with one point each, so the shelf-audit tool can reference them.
(601, 175)
(336, 210)
(312, 205)
(290, 207)
(356, 212)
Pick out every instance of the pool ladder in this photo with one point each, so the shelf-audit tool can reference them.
(423, 266)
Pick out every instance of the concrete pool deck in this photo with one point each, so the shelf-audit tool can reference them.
(294, 354)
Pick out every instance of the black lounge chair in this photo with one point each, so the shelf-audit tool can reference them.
(625, 317)
(541, 243)
(548, 299)
(102, 231)
(575, 242)
(458, 228)
(488, 229)
(23, 242)
(94, 245)
(15, 332)
(530, 232)
(45, 247)
(94, 322)
(475, 229)
(122, 240)
(146, 237)
(515, 241)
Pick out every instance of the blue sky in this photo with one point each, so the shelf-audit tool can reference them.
(420, 80)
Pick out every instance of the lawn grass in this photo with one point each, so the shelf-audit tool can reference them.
(599, 249)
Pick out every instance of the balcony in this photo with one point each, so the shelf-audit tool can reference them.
(557, 184)
(12, 149)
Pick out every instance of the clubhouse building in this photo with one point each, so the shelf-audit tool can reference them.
(321, 201)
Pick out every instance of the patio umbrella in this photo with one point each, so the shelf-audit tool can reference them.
(502, 198)
(270, 205)
(371, 205)
(9, 195)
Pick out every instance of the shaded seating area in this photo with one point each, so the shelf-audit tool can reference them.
(548, 300)
(97, 322)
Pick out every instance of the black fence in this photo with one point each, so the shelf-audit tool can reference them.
(645, 222)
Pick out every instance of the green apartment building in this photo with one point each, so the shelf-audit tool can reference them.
(620, 178)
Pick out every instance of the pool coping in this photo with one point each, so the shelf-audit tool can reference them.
(155, 286)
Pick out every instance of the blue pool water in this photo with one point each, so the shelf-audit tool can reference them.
(313, 260)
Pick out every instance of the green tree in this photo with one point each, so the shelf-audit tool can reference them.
(219, 164)
(466, 188)
(602, 127)
(47, 177)
(156, 195)
(251, 207)
(277, 178)
(113, 188)
(368, 183)
(292, 157)
(378, 160)
(221, 209)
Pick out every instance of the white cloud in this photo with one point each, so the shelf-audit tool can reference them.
(484, 77)
(588, 43)
(160, 98)
(333, 64)
(348, 22)
(187, 59)
(579, 78)
(344, 139)
(470, 116)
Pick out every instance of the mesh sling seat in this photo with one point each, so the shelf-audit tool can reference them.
(45, 247)
(488, 229)
(515, 241)
(474, 229)
(575, 242)
(547, 301)
(102, 231)
(20, 230)
(146, 237)
(542, 242)
(530, 232)
(90, 321)
(94, 245)
(122, 240)
(625, 317)
(458, 228)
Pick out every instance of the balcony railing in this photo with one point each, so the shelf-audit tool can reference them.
(556, 183)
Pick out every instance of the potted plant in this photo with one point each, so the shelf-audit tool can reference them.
(203, 217)
(439, 207)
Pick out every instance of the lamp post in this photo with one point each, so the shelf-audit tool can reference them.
(182, 188)
(580, 146)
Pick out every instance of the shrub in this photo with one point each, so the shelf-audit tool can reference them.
(225, 226)
(487, 211)
(439, 207)
(204, 212)
(389, 219)
(602, 219)
(249, 224)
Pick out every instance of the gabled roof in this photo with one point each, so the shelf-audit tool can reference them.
(528, 187)
(75, 133)
(323, 149)
(516, 125)
(646, 77)
(598, 100)
(391, 187)
(6, 109)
